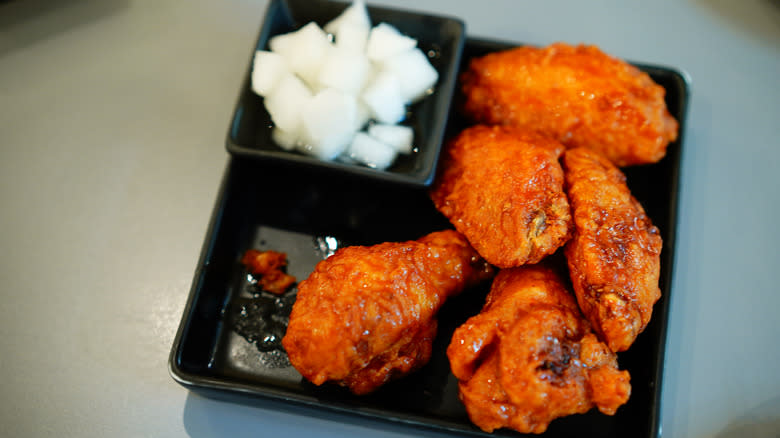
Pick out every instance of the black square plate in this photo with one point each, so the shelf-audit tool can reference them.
(307, 215)
(440, 37)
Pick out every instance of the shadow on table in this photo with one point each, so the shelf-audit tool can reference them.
(757, 18)
(762, 421)
(206, 417)
(26, 22)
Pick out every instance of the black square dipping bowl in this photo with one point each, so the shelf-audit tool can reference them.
(442, 38)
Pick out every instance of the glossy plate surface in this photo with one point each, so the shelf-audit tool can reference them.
(228, 341)
(441, 37)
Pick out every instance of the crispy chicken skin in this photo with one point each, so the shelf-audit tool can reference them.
(502, 187)
(266, 267)
(577, 94)
(367, 314)
(614, 256)
(530, 357)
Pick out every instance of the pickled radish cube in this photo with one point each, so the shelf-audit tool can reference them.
(329, 123)
(371, 152)
(383, 97)
(267, 69)
(352, 37)
(326, 148)
(285, 140)
(362, 116)
(344, 70)
(385, 41)
(351, 28)
(303, 50)
(415, 73)
(398, 136)
(355, 14)
(284, 103)
(373, 73)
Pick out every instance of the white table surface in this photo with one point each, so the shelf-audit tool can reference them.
(112, 123)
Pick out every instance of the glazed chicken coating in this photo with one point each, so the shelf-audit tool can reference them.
(576, 94)
(367, 314)
(266, 267)
(530, 357)
(614, 256)
(502, 187)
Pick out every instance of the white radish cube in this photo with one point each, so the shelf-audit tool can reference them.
(355, 14)
(362, 116)
(285, 140)
(267, 69)
(329, 123)
(303, 50)
(285, 101)
(385, 41)
(344, 70)
(383, 97)
(326, 148)
(371, 152)
(415, 73)
(280, 44)
(352, 37)
(373, 73)
(398, 136)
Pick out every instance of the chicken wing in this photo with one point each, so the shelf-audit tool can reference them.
(614, 256)
(530, 357)
(502, 187)
(368, 314)
(579, 95)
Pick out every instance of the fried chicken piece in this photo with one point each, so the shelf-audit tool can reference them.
(614, 256)
(530, 357)
(266, 267)
(579, 95)
(502, 187)
(367, 314)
